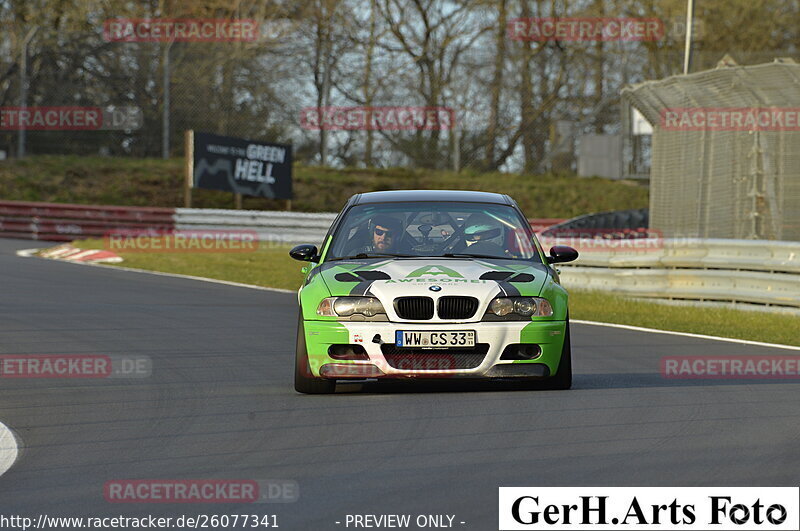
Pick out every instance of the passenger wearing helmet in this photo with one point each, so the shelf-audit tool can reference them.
(483, 235)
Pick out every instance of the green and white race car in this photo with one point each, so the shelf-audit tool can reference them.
(431, 284)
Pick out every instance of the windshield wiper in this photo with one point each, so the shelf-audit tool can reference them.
(468, 255)
(361, 256)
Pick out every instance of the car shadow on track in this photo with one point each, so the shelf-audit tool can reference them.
(437, 386)
(580, 382)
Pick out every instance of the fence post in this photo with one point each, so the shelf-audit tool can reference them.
(23, 90)
(165, 116)
(188, 180)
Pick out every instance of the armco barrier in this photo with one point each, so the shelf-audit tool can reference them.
(65, 222)
(747, 255)
(749, 271)
(286, 227)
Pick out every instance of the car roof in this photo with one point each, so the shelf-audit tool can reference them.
(463, 196)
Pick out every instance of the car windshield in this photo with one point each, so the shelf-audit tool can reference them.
(433, 229)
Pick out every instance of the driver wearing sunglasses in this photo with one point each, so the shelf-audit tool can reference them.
(386, 232)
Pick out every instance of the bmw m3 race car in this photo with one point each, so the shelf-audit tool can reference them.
(431, 284)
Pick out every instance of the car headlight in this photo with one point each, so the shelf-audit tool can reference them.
(502, 306)
(348, 306)
(511, 308)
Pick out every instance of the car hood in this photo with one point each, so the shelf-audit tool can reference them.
(387, 279)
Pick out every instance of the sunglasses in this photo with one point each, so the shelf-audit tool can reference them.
(381, 232)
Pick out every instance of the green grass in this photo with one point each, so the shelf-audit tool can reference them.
(270, 266)
(713, 321)
(156, 182)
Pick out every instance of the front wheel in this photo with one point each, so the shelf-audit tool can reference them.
(563, 377)
(304, 380)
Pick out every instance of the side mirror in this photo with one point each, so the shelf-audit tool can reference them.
(562, 253)
(305, 253)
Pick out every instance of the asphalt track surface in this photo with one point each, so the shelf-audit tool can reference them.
(220, 404)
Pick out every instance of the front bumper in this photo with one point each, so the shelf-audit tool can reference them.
(386, 361)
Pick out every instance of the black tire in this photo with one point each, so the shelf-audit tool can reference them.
(304, 381)
(562, 379)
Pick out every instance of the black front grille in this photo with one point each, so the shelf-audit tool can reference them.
(418, 359)
(457, 307)
(414, 308)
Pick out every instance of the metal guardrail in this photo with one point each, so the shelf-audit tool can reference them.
(750, 271)
(286, 227)
(750, 255)
(277, 226)
(736, 271)
(66, 222)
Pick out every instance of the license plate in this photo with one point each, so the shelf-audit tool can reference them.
(445, 339)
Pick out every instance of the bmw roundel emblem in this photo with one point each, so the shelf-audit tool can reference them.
(435, 288)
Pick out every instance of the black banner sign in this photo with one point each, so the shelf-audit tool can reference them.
(242, 166)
